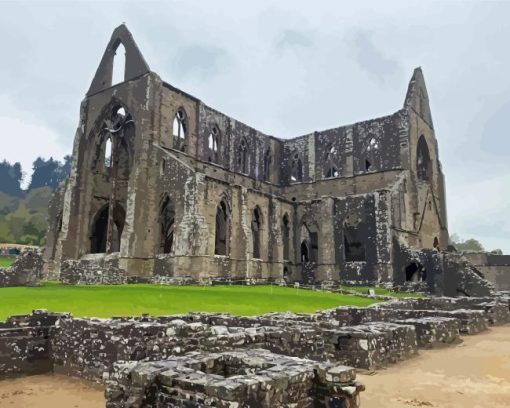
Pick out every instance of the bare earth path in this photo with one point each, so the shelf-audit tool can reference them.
(50, 391)
(474, 374)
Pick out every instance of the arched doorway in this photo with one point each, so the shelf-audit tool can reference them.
(415, 272)
(99, 237)
(304, 252)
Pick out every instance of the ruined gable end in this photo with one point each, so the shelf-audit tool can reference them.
(417, 98)
(135, 64)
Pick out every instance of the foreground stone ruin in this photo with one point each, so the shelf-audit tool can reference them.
(25, 271)
(254, 378)
(198, 359)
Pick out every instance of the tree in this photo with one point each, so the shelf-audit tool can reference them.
(49, 173)
(10, 178)
(470, 244)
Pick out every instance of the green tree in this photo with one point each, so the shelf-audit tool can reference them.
(470, 244)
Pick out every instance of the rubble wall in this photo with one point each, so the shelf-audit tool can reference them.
(25, 271)
(25, 344)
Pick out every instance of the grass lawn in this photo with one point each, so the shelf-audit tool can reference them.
(381, 291)
(6, 261)
(107, 301)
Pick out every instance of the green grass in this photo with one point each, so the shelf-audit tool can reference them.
(107, 301)
(381, 291)
(6, 261)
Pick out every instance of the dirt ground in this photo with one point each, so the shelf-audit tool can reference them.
(50, 391)
(473, 374)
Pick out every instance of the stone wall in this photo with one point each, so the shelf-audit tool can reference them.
(357, 184)
(495, 267)
(241, 379)
(25, 271)
(93, 269)
(367, 338)
(25, 344)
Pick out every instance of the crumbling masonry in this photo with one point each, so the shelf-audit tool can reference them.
(164, 188)
(209, 359)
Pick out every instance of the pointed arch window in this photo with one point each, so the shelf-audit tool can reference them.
(119, 65)
(330, 159)
(286, 236)
(354, 240)
(222, 236)
(370, 154)
(213, 144)
(242, 158)
(256, 226)
(296, 170)
(423, 162)
(167, 225)
(267, 164)
(108, 153)
(179, 130)
(309, 243)
(332, 172)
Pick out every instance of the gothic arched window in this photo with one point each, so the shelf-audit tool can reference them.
(256, 226)
(370, 154)
(167, 225)
(330, 159)
(286, 236)
(179, 130)
(242, 158)
(221, 239)
(423, 163)
(213, 144)
(267, 164)
(296, 170)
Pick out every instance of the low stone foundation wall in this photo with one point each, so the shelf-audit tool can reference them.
(93, 269)
(25, 345)
(496, 311)
(434, 331)
(257, 378)
(372, 346)
(367, 338)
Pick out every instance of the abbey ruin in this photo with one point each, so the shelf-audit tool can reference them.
(165, 189)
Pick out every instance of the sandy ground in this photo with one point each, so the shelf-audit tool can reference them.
(50, 391)
(473, 374)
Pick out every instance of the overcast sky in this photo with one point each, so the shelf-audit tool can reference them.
(285, 68)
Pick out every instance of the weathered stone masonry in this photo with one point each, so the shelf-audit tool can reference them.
(159, 361)
(164, 188)
(25, 271)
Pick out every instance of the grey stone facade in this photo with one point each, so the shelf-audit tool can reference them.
(179, 191)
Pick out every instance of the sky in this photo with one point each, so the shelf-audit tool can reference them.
(286, 68)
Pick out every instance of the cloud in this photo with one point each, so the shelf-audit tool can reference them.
(200, 61)
(372, 59)
(24, 139)
(495, 138)
(292, 38)
(478, 210)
